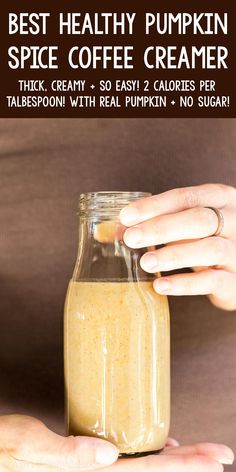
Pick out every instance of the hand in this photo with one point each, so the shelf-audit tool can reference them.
(26, 444)
(178, 218)
(202, 457)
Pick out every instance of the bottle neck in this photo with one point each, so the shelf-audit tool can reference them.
(106, 205)
(102, 254)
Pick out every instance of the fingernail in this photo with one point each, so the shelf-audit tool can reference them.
(106, 455)
(149, 262)
(133, 237)
(162, 285)
(129, 216)
(225, 460)
(171, 442)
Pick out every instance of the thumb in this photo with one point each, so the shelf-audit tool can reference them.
(40, 445)
(80, 452)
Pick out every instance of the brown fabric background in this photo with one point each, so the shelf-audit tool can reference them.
(44, 165)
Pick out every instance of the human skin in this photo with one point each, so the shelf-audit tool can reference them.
(27, 444)
(179, 220)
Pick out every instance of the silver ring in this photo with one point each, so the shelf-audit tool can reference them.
(221, 221)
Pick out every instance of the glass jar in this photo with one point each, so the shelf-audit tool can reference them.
(117, 336)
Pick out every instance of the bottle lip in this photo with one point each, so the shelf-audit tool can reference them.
(107, 203)
(118, 193)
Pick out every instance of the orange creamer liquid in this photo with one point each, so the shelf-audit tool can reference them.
(117, 364)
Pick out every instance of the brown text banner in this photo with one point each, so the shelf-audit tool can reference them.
(80, 59)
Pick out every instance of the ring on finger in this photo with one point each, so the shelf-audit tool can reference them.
(220, 217)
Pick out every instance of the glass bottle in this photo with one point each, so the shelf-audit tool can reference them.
(116, 336)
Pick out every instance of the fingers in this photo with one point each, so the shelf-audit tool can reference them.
(38, 445)
(205, 282)
(204, 252)
(216, 195)
(218, 452)
(188, 224)
(108, 231)
(30, 445)
(168, 463)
